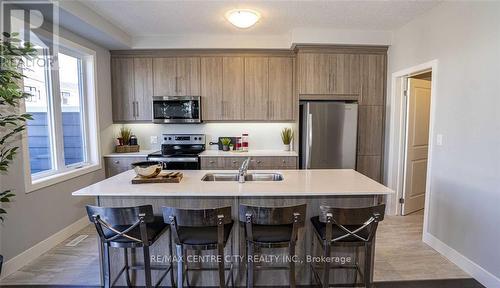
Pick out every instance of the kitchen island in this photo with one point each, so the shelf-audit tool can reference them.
(336, 187)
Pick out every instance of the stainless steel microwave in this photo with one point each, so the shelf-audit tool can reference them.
(176, 109)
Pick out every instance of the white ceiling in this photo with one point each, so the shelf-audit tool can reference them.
(148, 19)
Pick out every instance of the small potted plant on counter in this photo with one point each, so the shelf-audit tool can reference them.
(286, 137)
(225, 143)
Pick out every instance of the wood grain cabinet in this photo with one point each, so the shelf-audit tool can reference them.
(117, 165)
(256, 88)
(281, 88)
(373, 70)
(328, 73)
(209, 163)
(370, 130)
(176, 76)
(257, 163)
(247, 88)
(132, 89)
(222, 88)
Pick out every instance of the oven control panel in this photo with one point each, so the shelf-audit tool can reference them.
(183, 139)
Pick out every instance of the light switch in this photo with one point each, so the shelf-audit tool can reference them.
(154, 139)
(439, 139)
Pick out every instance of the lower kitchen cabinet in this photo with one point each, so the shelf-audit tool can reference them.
(117, 165)
(256, 163)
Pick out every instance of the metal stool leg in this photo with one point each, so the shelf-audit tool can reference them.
(249, 264)
(106, 269)
(180, 266)
(326, 265)
(292, 265)
(368, 265)
(127, 276)
(147, 266)
(170, 250)
(222, 278)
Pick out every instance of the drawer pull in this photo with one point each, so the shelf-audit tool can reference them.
(258, 161)
(234, 162)
(117, 162)
(212, 162)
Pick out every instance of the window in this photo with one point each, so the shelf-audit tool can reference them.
(62, 137)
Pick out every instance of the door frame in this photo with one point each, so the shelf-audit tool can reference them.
(397, 136)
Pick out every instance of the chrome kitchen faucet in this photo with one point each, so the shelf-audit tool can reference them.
(243, 170)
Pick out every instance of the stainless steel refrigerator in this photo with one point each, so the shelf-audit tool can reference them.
(328, 134)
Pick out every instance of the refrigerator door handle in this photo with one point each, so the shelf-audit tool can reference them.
(309, 139)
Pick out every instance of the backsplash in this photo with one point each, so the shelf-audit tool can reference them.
(261, 135)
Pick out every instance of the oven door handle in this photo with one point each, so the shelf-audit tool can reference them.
(174, 159)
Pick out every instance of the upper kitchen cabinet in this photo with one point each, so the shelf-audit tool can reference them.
(222, 88)
(373, 70)
(256, 88)
(132, 89)
(314, 73)
(211, 88)
(328, 73)
(233, 88)
(281, 92)
(176, 76)
(143, 88)
(346, 78)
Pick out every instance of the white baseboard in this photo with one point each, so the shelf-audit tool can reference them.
(17, 262)
(477, 272)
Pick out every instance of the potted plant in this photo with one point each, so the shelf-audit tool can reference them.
(12, 121)
(125, 135)
(286, 137)
(225, 143)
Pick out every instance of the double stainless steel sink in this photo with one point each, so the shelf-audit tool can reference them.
(248, 177)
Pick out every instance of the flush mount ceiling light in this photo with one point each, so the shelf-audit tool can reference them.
(243, 18)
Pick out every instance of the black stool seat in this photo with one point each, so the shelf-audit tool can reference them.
(206, 235)
(320, 228)
(272, 233)
(154, 230)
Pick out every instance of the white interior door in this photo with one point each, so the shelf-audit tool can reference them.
(417, 144)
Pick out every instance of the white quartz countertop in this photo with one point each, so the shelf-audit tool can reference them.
(142, 153)
(250, 153)
(334, 182)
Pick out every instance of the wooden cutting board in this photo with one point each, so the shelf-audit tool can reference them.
(163, 177)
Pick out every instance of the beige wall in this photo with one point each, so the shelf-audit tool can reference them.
(464, 37)
(37, 215)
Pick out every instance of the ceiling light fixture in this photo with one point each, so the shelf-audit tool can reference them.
(242, 18)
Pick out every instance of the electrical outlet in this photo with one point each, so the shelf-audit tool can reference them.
(154, 140)
(439, 139)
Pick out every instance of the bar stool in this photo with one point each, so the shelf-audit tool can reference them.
(355, 227)
(271, 227)
(199, 230)
(128, 227)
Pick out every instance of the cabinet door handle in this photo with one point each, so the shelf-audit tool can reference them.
(136, 108)
(361, 95)
(176, 85)
(133, 109)
(271, 110)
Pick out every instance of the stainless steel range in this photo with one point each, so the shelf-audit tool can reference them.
(180, 151)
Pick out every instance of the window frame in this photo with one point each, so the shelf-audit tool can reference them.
(90, 123)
